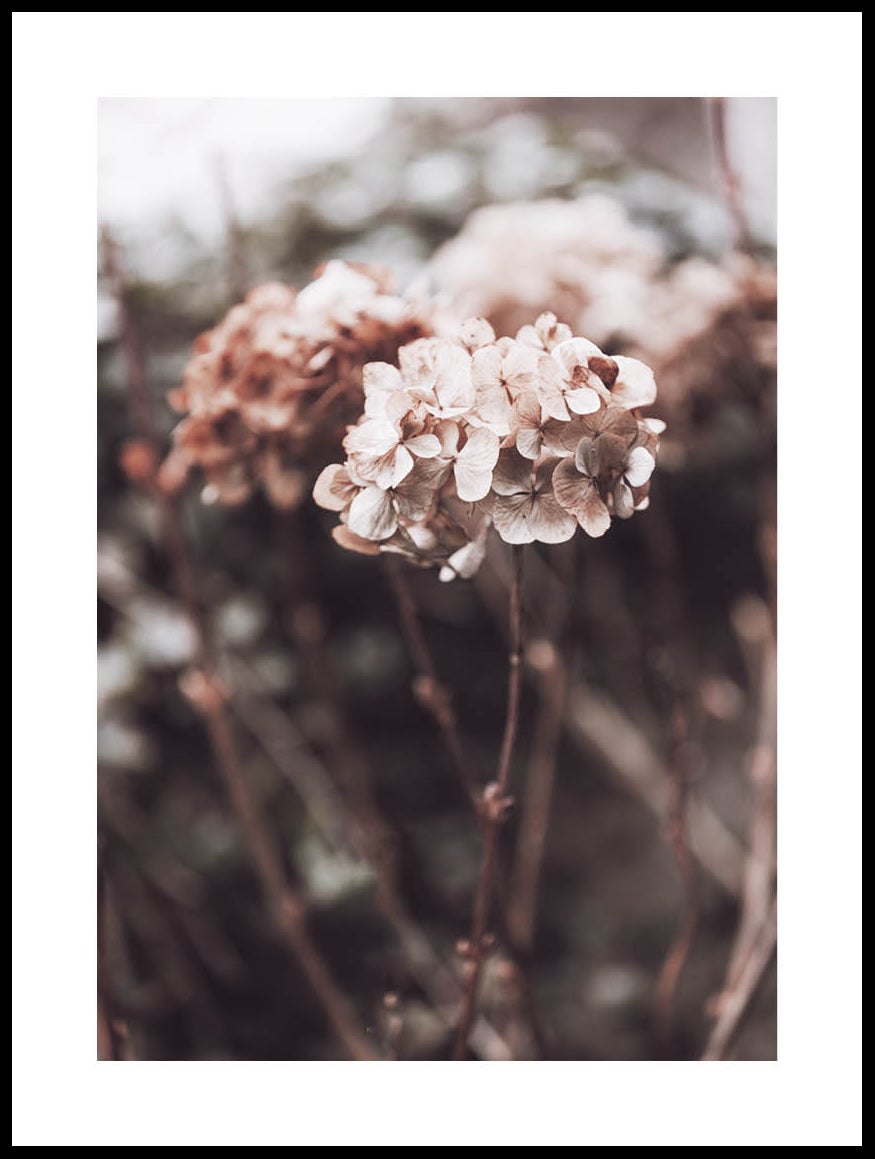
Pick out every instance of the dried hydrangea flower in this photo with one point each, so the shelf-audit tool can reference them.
(270, 390)
(701, 324)
(535, 436)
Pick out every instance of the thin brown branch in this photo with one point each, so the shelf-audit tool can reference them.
(427, 687)
(755, 933)
(678, 838)
(495, 803)
(674, 682)
(208, 696)
(735, 1002)
(546, 660)
(730, 182)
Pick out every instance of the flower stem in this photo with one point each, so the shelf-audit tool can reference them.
(494, 808)
(429, 690)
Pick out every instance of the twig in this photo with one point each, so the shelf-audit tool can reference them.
(427, 687)
(546, 660)
(677, 836)
(756, 922)
(735, 1002)
(729, 178)
(674, 682)
(495, 804)
(209, 697)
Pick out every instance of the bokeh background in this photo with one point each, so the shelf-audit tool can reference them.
(665, 626)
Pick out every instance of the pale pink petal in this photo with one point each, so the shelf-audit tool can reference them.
(372, 437)
(486, 367)
(476, 332)
(635, 385)
(447, 433)
(398, 406)
(493, 410)
(424, 446)
(402, 467)
(527, 411)
(465, 562)
(414, 499)
(423, 537)
(653, 426)
(510, 516)
(583, 401)
(372, 514)
(529, 336)
(453, 386)
(527, 425)
(549, 522)
(519, 366)
(513, 474)
(624, 504)
(334, 490)
(639, 467)
(352, 542)
(381, 470)
(551, 389)
(472, 482)
(381, 378)
(586, 457)
(551, 331)
(481, 450)
(529, 442)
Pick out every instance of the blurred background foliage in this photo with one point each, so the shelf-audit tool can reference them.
(667, 609)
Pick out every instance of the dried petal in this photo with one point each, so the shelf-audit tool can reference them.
(372, 514)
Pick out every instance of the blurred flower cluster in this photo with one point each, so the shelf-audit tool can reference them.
(269, 390)
(609, 278)
(535, 435)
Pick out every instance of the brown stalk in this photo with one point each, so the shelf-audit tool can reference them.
(208, 696)
(735, 1002)
(427, 687)
(674, 681)
(545, 658)
(678, 838)
(755, 933)
(495, 803)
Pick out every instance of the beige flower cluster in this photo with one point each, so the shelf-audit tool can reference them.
(535, 435)
(268, 392)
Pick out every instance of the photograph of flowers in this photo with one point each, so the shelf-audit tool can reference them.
(437, 579)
